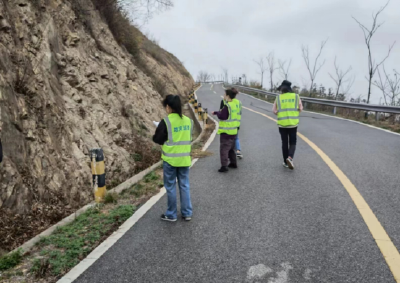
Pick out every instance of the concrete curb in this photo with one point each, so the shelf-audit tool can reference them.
(79, 269)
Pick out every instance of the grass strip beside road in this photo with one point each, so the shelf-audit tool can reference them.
(68, 245)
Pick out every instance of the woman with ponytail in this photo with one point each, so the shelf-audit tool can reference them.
(174, 133)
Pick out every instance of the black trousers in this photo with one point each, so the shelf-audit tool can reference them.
(289, 140)
(227, 151)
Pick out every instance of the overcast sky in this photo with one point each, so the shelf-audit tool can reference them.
(210, 34)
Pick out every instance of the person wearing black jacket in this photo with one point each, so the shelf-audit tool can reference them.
(175, 165)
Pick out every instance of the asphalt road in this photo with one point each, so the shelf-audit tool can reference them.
(265, 223)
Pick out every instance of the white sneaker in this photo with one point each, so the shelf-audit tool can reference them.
(285, 165)
(290, 164)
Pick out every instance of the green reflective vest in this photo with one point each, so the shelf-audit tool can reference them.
(288, 109)
(230, 126)
(239, 114)
(176, 150)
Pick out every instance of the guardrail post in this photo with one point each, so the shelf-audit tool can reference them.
(334, 110)
(377, 116)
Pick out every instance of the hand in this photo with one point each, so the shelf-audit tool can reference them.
(214, 113)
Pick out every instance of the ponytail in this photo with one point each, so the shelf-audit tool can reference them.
(174, 102)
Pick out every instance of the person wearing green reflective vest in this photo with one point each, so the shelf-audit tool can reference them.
(287, 107)
(237, 141)
(174, 133)
(228, 128)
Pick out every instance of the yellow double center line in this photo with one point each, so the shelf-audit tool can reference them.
(385, 244)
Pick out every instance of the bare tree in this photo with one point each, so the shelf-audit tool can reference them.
(339, 77)
(272, 68)
(284, 69)
(225, 74)
(389, 85)
(346, 87)
(368, 34)
(261, 64)
(313, 68)
(203, 76)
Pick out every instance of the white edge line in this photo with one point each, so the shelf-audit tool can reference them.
(79, 269)
(331, 116)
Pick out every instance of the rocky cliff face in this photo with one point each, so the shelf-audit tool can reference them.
(63, 91)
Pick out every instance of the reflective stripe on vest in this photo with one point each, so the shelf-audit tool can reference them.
(177, 149)
(229, 126)
(288, 109)
(175, 154)
(239, 114)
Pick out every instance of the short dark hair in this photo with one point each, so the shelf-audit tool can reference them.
(174, 102)
(232, 92)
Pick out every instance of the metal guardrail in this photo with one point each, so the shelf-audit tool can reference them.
(211, 82)
(333, 103)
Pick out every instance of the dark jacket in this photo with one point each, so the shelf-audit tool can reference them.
(161, 135)
(222, 105)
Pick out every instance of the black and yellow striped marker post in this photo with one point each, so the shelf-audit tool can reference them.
(205, 115)
(99, 174)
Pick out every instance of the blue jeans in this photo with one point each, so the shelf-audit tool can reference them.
(237, 142)
(170, 175)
